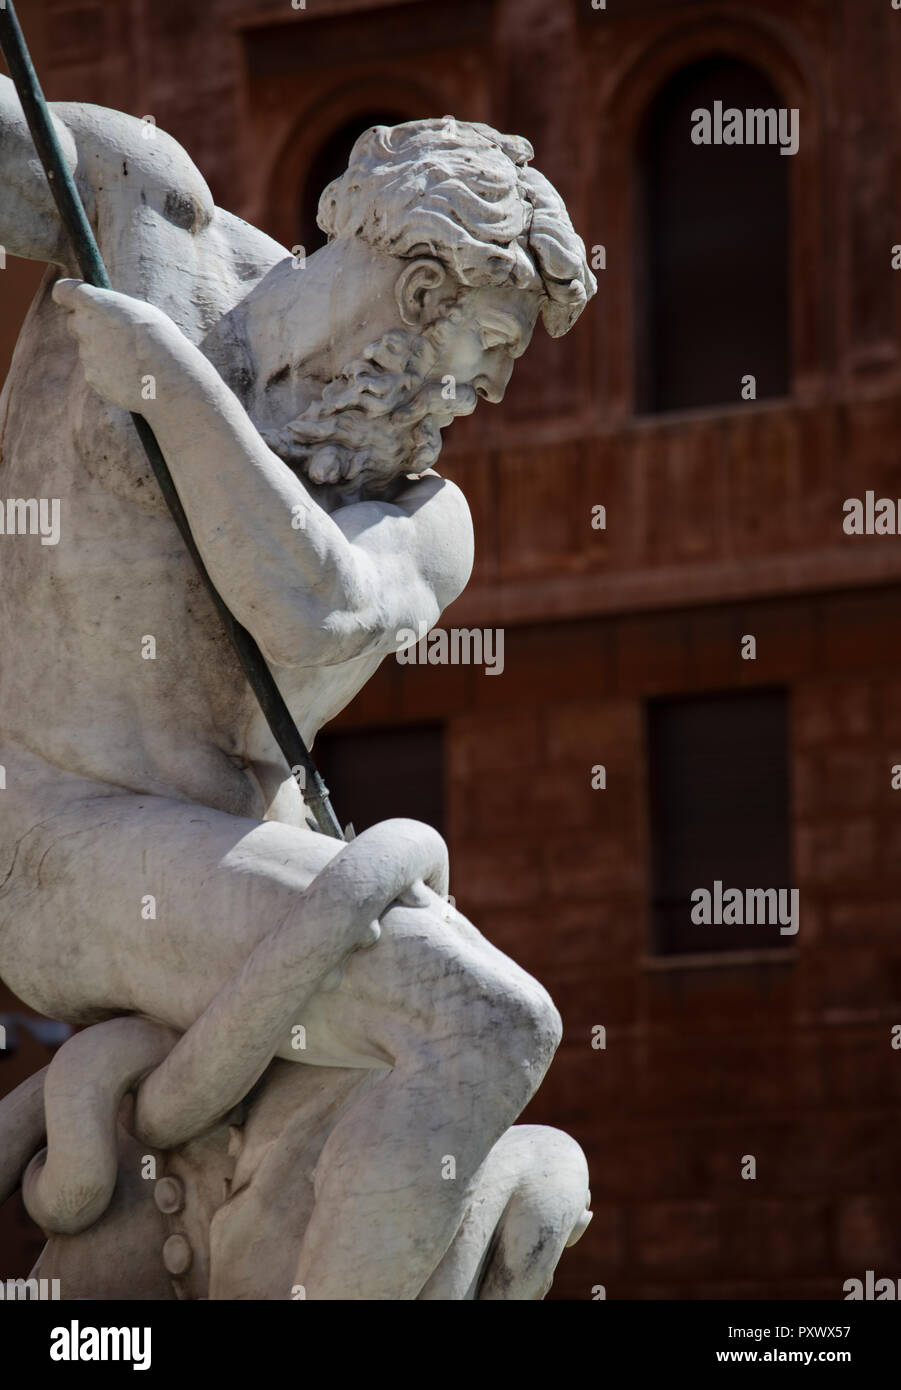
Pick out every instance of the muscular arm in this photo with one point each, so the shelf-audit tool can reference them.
(312, 588)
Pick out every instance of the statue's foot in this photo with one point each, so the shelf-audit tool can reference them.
(530, 1204)
(581, 1226)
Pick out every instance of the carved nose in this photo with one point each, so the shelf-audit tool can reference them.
(490, 389)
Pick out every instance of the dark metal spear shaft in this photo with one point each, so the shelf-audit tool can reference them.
(78, 229)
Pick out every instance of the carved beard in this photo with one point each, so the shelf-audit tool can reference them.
(376, 420)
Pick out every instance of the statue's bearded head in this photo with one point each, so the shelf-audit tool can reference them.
(480, 246)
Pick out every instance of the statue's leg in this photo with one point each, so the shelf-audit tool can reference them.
(530, 1200)
(123, 903)
(141, 904)
(471, 1036)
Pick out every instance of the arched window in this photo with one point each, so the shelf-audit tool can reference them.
(329, 161)
(712, 294)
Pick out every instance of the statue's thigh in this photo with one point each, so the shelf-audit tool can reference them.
(126, 902)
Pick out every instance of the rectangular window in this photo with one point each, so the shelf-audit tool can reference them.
(376, 774)
(720, 813)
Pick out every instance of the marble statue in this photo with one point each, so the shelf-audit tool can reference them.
(298, 1066)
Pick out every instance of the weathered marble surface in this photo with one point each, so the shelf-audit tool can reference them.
(161, 879)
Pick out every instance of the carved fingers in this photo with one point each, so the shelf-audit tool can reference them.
(121, 341)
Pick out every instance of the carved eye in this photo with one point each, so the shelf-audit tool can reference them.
(493, 338)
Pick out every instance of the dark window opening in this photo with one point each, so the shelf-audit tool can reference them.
(376, 774)
(331, 161)
(720, 810)
(712, 275)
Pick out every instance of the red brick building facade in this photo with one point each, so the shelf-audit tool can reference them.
(724, 520)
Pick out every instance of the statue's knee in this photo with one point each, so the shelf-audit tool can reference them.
(526, 1032)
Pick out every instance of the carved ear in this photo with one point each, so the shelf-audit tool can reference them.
(414, 291)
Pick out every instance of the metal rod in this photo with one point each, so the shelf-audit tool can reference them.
(87, 252)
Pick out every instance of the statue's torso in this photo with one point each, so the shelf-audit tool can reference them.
(77, 685)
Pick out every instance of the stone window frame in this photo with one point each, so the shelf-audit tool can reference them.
(618, 107)
(318, 122)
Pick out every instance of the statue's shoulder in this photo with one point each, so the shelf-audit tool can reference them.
(120, 154)
(252, 250)
(125, 162)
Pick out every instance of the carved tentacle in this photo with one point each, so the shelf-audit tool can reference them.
(21, 1130)
(68, 1185)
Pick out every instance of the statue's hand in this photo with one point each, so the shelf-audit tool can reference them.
(122, 342)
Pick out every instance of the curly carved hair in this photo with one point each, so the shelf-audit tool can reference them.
(462, 192)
